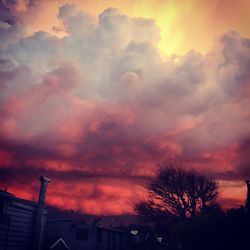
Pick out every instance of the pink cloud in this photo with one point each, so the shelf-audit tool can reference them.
(98, 110)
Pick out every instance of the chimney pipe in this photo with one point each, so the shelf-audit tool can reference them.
(248, 196)
(41, 214)
(42, 194)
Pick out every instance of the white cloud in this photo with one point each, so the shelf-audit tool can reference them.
(196, 101)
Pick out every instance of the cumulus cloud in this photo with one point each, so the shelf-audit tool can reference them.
(102, 103)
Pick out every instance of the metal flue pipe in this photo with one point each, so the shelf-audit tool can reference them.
(41, 214)
(248, 196)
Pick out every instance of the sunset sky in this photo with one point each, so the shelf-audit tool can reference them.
(95, 94)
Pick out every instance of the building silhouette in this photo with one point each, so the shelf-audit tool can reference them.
(80, 235)
(22, 222)
(24, 226)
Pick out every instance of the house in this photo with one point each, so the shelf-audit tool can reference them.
(59, 245)
(147, 239)
(22, 222)
(80, 235)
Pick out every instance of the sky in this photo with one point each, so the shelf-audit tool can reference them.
(96, 94)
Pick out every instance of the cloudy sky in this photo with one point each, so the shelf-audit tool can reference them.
(95, 94)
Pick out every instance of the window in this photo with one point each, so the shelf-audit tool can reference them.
(82, 234)
(2, 207)
(99, 235)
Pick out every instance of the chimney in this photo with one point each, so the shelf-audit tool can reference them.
(248, 196)
(41, 214)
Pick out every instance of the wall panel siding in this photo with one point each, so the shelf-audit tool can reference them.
(16, 224)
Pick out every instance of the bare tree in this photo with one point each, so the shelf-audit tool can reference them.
(177, 192)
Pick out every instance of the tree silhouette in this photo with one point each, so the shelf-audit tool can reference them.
(177, 192)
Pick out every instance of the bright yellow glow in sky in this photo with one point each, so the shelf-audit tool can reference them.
(184, 25)
(166, 17)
